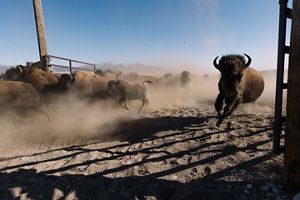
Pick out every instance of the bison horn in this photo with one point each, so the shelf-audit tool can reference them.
(20, 68)
(216, 64)
(249, 61)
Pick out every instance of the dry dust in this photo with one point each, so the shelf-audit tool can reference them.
(172, 150)
(78, 120)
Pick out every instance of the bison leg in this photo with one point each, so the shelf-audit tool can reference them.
(122, 100)
(125, 103)
(219, 104)
(144, 101)
(229, 108)
(235, 105)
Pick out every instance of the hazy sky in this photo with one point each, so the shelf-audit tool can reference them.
(161, 32)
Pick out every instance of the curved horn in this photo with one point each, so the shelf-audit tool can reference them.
(216, 64)
(249, 61)
(19, 68)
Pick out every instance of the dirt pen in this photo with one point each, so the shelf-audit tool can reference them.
(172, 151)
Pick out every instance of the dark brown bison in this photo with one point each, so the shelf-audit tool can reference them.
(65, 82)
(175, 80)
(185, 78)
(238, 84)
(33, 75)
(127, 91)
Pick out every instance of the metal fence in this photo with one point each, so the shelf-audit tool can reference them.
(285, 13)
(69, 64)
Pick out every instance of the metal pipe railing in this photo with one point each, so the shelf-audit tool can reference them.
(68, 67)
(70, 61)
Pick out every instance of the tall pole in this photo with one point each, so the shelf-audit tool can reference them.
(277, 128)
(292, 141)
(40, 29)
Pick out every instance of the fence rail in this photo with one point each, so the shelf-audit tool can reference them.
(70, 62)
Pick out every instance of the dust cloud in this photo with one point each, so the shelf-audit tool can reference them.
(75, 120)
(72, 120)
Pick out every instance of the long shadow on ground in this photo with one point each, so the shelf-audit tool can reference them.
(45, 185)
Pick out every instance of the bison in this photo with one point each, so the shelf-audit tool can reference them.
(178, 80)
(19, 96)
(33, 75)
(108, 74)
(185, 78)
(88, 85)
(126, 91)
(65, 82)
(238, 84)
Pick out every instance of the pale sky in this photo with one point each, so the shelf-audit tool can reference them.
(159, 32)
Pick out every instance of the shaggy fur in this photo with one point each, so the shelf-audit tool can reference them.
(238, 84)
(88, 85)
(33, 75)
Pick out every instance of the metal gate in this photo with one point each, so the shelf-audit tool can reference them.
(285, 13)
(69, 65)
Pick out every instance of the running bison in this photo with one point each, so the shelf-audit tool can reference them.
(33, 75)
(185, 78)
(128, 91)
(239, 83)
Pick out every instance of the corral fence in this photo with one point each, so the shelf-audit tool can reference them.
(70, 64)
(285, 13)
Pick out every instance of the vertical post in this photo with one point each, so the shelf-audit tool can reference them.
(70, 65)
(277, 129)
(292, 142)
(40, 29)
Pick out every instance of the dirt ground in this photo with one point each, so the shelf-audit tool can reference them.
(175, 153)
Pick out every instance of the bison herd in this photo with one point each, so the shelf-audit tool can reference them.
(29, 87)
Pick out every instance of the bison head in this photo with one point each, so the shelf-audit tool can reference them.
(231, 68)
(99, 72)
(112, 87)
(65, 81)
(14, 73)
(232, 64)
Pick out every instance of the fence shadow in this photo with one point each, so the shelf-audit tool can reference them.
(44, 185)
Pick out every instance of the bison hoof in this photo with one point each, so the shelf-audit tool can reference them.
(218, 124)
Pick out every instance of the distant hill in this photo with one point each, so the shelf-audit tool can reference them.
(136, 67)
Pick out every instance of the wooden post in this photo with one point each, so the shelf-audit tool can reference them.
(292, 141)
(40, 29)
